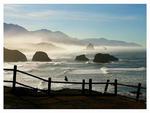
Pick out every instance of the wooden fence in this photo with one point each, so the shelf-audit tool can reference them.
(83, 83)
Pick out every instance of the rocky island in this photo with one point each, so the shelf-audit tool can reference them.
(13, 56)
(104, 58)
(81, 58)
(41, 56)
(90, 46)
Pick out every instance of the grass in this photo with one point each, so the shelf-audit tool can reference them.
(25, 98)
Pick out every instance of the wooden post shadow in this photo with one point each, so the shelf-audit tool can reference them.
(115, 85)
(83, 86)
(14, 78)
(90, 86)
(138, 92)
(106, 86)
(49, 86)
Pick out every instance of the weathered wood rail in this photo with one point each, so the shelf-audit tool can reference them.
(83, 83)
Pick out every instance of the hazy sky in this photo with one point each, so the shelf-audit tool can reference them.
(118, 22)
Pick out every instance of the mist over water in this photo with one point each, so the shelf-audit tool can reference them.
(130, 69)
(28, 45)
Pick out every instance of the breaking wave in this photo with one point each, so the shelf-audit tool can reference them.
(106, 70)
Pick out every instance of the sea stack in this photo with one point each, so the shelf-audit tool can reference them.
(41, 56)
(104, 58)
(13, 56)
(90, 46)
(81, 58)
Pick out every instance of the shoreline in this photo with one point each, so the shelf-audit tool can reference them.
(25, 98)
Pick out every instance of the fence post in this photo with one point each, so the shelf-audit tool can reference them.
(83, 86)
(138, 92)
(90, 86)
(49, 86)
(36, 91)
(14, 78)
(106, 87)
(115, 85)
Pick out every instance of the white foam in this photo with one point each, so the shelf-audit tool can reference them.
(104, 70)
(87, 71)
(57, 63)
(43, 85)
(126, 69)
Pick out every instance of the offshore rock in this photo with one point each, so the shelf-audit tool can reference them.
(104, 58)
(13, 56)
(90, 47)
(81, 58)
(41, 56)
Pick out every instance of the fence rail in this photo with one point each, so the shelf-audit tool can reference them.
(83, 83)
(130, 86)
(32, 75)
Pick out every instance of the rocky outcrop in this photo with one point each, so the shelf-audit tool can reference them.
(104, 58)
(90, 47)
(13, 56)
(41, 56)
(81, 58)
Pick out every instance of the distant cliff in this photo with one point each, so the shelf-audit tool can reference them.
(106, 42)
(13, 56)
(13, 30)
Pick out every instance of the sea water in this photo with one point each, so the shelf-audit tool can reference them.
(130, 69)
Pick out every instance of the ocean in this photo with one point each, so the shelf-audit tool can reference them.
(130, 69)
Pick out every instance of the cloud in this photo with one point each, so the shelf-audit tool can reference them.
(12, 8)
(16, 11)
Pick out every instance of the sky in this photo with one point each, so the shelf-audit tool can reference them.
(126, 22)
